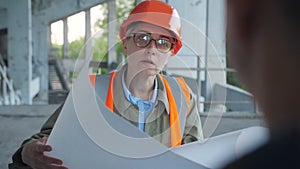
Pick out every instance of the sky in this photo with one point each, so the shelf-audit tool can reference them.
(76, 26)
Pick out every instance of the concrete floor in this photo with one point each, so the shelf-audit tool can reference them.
(20, 122)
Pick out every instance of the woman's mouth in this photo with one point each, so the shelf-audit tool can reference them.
(148, 62)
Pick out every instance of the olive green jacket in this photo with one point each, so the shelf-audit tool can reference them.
(157, 124)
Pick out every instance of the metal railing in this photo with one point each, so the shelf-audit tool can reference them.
(207, 103)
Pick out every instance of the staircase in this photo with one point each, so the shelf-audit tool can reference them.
(8, 94)
(58, 82)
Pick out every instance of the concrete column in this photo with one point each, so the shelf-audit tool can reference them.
(217, 26)
(41, 44)
(66, 41)
(3, 14)
(112, 31)
(88, 43)
(215, 45)
(19, 21)
(192, 54)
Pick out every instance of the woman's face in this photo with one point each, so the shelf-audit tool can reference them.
(147, 59)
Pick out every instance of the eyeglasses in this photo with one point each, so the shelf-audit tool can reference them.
(142, 40)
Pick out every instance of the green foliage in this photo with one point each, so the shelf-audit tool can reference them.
(123, 10)
(75, 48)
(100, 49)
(232, 78)
(124, 7)
(103, 23)
(57, 50)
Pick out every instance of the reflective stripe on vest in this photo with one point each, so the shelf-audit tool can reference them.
(177, 118)
(103, 85)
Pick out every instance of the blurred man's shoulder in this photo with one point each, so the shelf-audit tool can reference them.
(278, 153)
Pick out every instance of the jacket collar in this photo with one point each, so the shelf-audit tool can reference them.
(121, 104)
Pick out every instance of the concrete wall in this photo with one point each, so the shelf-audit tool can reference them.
(203, 33)
(29, 40)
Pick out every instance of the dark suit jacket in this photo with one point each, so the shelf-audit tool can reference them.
(281, 152)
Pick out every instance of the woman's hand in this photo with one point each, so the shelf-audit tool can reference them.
(33, 155)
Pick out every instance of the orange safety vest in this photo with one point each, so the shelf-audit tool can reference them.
(176, 132)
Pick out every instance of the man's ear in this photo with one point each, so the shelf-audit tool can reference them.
(241, 16)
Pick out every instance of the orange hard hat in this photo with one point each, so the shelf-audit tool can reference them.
(157, 13)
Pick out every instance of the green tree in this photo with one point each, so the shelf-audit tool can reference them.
(56, 50)
(75, 48)
(232, 78)
(100, 45)
(123, 9)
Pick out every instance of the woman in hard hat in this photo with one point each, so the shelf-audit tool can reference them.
(137, 91)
